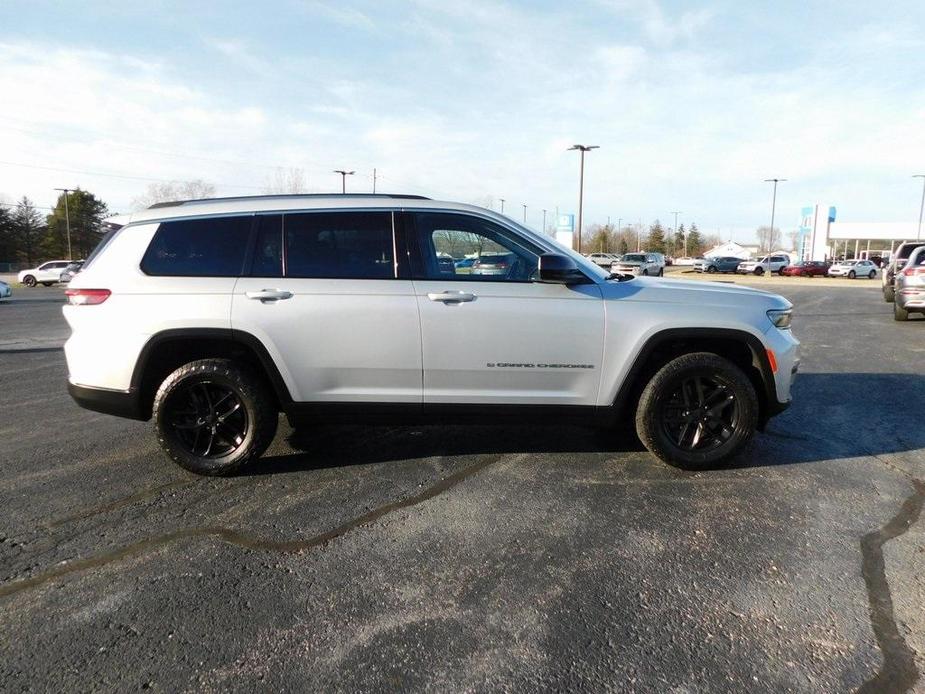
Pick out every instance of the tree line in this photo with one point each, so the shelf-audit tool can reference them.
(606, 238)
(28, 237)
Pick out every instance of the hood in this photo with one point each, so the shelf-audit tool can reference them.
(695, 292)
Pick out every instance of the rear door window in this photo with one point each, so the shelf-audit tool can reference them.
(339, 245)
(198, 248)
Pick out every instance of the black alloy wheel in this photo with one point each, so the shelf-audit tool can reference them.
(207, 419)
(700, 413)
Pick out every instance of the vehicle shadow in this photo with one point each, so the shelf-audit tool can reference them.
(833, 416)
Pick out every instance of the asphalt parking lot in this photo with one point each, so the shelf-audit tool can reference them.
(474, 558)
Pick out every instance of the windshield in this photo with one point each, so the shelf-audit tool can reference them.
(634, 258)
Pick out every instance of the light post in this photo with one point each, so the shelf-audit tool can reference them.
(67, 219)
(773, 205)
(544, 221)
(918, 236)
(581, 183)
(502, 205)
(343, 179)
(676, 230)
(525, 214)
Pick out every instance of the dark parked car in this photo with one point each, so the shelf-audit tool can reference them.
(806, 268)
(723, 264)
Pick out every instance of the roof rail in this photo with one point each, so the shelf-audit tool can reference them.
(287, 196)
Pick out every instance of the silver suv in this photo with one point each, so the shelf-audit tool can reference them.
(212, 316)
(644, 264)
(910, 286)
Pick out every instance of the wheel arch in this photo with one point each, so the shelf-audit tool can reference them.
(169, 349)
(742, 348)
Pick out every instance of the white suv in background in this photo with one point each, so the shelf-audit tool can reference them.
(769, 263)
(212, 316)
(47, 273)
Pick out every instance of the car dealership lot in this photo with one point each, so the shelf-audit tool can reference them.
(474, 557)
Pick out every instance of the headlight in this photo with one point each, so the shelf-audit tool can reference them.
(781, 317)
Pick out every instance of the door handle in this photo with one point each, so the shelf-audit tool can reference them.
(451, 297)
(265, 295)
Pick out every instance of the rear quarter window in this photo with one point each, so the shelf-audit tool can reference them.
(198, 248)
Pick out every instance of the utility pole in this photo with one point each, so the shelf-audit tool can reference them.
(502, 205)
(581, 183)
(525, 213)
(67, 219)
(676, 229)
(374, 180)
(343, 179)
(918, 236)
(773, 205)
(544, 221)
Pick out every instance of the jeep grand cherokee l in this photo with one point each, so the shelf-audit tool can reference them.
(212, 316)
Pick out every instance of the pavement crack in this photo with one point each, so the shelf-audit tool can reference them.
(121, 503)
(898, 672)
(239, 539)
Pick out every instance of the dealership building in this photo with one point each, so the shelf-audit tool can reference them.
(822, 238)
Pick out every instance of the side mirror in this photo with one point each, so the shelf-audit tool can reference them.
(559, 269)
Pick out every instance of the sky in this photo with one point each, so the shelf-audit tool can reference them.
(693, 104)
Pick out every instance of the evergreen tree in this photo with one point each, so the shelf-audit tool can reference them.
(694, 242)
(678, 249)
(27, 230)
(86, 213)
(656, 240)
(7, 237)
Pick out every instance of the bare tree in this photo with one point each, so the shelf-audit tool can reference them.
(768, 239)
(173, 191)
(286, 182)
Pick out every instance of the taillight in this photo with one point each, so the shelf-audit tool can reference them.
(86, 297)
(910, 271)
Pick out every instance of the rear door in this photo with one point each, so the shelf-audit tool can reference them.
(496, 336)
(322, 295)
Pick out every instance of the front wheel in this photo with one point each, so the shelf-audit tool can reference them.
(711, 270)
(29, 281)
(698, 411)
(212, 416)
(852, 274)
(661, 272)
(759, 271)
(645, 272)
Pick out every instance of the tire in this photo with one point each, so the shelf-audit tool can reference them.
(889, 294)
(662, 401)
(759, 271)
(191, 423)
(645, 272)
(899, 314)
(661, 272)
(852, 274)
(29, 281)
(780, 271)
(871, 274)
(711, 270)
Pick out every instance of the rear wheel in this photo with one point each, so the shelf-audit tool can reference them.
(698, 411)
(780, 271)
(661, 272)
(871, 274)
(889, 294)
(29, 281)
(899, 314)
(212, 416)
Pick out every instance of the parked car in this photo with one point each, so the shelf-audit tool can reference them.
(685, 260)
(603, 259)
(205, 318)
(900, 258)
(853, 268)
(6, 291)
(807, 268)
(47, 273)
(496, 264)
(722, 264)
(910, 286)
(768, 263)
(639, 264)
(72, 269)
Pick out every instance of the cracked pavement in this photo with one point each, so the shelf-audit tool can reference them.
(473, 558)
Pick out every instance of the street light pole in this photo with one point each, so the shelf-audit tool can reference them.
(343, 179)
(581, 183)
(773, 206)
(676, 231)
(502, 205)
(918, 236)
(544, 221)
(67, 219)
(525, 213)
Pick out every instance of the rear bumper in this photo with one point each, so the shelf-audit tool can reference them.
(121, 403)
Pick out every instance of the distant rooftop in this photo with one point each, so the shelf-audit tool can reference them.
(292, 196)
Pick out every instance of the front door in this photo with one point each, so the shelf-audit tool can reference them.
(323, 296)
(490, 333)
